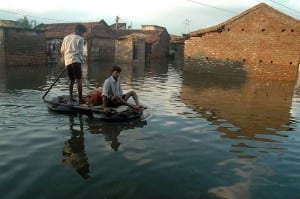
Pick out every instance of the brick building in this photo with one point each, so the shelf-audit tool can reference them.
(155, 40)
(22, 47)
(99, 39)
(260, 42)
(130, 49)
(105, 44)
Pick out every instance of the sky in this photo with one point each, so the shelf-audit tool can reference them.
(178, 16)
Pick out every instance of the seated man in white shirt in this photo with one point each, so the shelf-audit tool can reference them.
(112, 94)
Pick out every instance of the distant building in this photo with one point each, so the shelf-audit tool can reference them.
(105, 44)
(99, 39)
(131, 48)
(118, 26)
(261, 42)
(8, 23)
(153, 27)
(155, 42)
(176, 49)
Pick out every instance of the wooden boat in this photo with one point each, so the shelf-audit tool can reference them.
(61, 104)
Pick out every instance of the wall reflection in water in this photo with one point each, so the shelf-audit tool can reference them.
(22, 77)
(243, 108)
(97, 72)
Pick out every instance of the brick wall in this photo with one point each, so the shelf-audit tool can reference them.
(23, 47)
(130, 50)
(101, 49)
(160, 49)
(265, 42)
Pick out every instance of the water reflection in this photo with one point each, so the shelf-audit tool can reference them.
(111, 131)
(242, 108)
(3, 78)
(98, 72)
(246, 171)
(22, 77)
(73, 151)
(159, 66)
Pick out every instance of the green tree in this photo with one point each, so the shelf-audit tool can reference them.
(26, 23)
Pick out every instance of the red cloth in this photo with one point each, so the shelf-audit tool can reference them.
(96, 96)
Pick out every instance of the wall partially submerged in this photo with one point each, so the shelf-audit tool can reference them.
(265, 43)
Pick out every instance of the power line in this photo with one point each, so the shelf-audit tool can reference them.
(187, 24)
(44, 18)
(225, 10)
(210, 6)
(284, 6)
(295, 11)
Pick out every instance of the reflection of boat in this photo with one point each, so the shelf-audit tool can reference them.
(122, 113)
(111, 132)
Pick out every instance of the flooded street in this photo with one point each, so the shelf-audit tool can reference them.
(202, 136)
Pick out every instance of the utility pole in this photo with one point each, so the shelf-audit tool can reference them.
(187, 25)
(117, 22)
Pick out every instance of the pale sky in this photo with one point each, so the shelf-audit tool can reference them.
(178, 16)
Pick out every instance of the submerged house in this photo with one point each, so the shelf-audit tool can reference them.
(99, 39)
(22, 47)
(260, 42)
(150, 42)
(108, 43)
(130, 48)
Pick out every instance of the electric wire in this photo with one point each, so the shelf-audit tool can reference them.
(210, 6)
(280, 4)
(230, 11)
(43, 18)
(284, 6)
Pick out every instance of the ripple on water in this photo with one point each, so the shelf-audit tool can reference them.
(185, 149)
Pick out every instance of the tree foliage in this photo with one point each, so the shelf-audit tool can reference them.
(26, 23)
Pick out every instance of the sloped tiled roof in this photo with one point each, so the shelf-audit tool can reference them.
(175, 38)
(150, 36)
(60, 30)
(260, 6)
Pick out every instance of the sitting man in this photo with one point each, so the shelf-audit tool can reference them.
(112, 94)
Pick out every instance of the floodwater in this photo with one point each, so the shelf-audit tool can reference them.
(202, 136)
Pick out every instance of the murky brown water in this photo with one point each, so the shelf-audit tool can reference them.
(204, 136)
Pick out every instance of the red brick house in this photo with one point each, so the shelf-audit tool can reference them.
(105, 44)
(260, 42)
(99, 39)
(130, 48)
(154, 38)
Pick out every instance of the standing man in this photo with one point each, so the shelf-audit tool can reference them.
(112, 93)
(72, 53)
